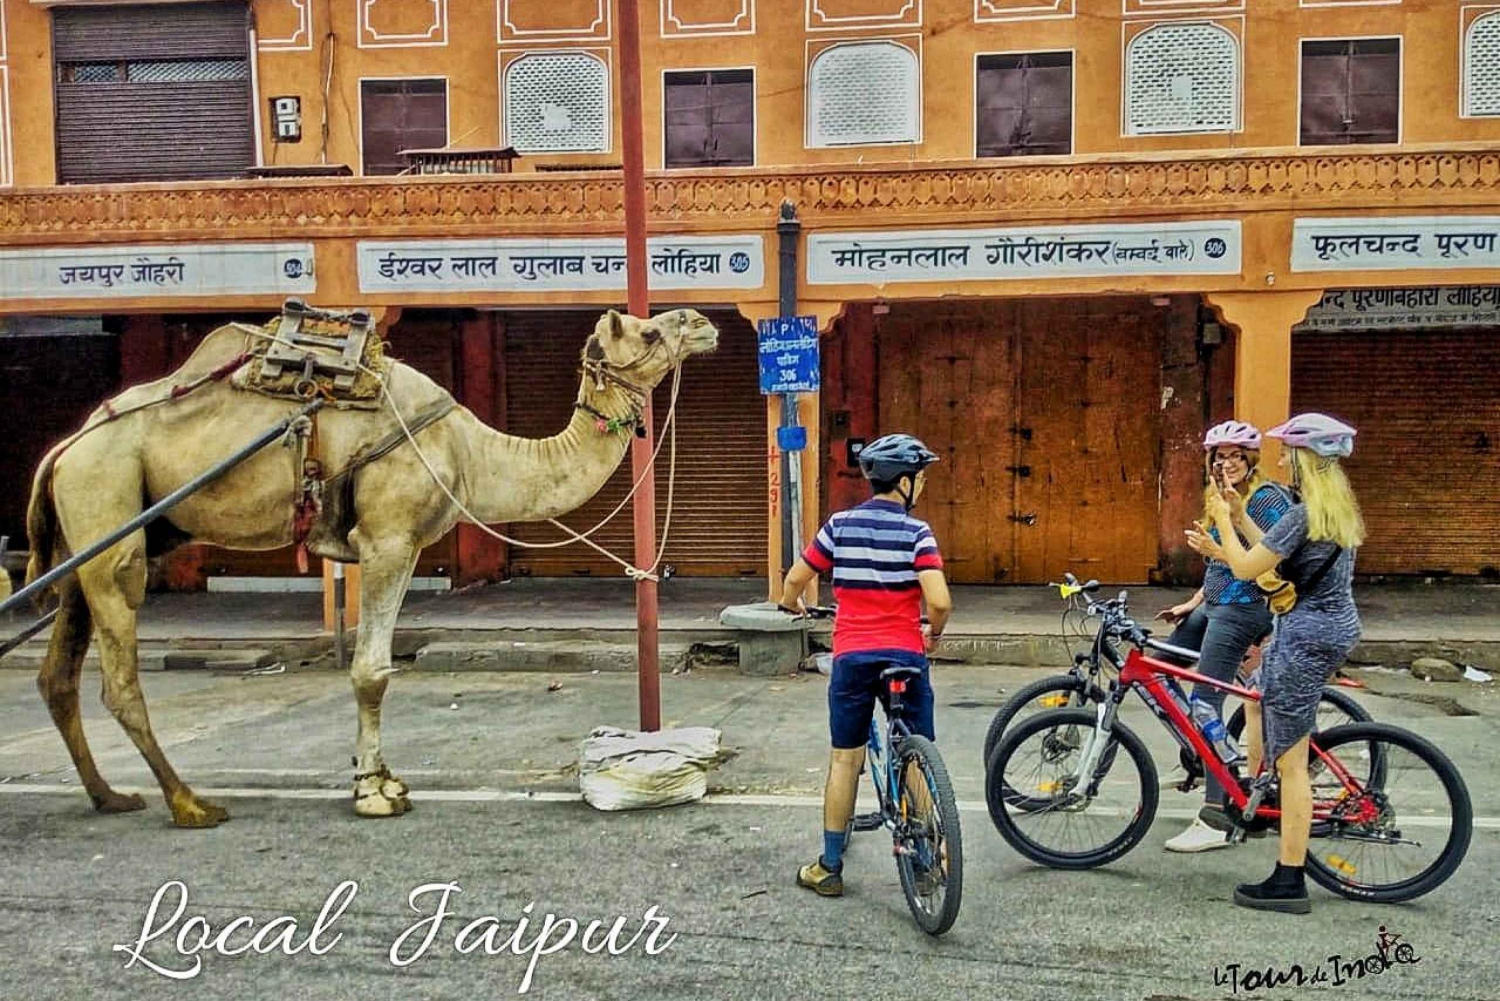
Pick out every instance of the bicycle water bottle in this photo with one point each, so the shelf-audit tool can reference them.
(1214, 730)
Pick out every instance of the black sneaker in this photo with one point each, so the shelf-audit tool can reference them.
(1285, 892)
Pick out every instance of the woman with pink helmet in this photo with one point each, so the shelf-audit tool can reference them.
(1226, 616)
(1313, 544)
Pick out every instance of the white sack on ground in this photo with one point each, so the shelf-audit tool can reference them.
(629, 770)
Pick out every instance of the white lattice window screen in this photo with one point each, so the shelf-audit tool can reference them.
(864, 93)
(1482, 66)
(557, 102)
(1182, 78)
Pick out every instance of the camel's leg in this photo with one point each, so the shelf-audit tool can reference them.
(387, 566)
(115, 586)
(58, 683)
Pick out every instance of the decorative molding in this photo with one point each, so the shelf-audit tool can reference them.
(862, 15)
(993, 11)
(731, 199)
(707, 18)
(407, 30)
(1347, 3)
(300, 38)
(2, 31)
(591, 22)
(1170, 8)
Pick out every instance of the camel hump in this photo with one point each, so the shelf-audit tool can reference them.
(219, 348)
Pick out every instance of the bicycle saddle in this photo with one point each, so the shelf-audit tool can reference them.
(900, 672)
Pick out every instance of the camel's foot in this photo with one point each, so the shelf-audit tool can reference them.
(380, 794)
(190, 811)
(110, 801)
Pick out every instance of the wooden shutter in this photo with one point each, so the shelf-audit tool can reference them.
(719, 519)
(150, 93)
(1025, 105)
(401, 114)
(710, 119)
(1427, 406)
(1351, 91)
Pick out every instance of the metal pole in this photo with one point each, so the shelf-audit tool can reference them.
(648, 665)
(339, 649)
(789, 230)
(158, 509)
(27, 633)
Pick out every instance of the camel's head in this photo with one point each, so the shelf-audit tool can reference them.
(643, 351)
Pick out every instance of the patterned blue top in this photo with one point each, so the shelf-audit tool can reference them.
(1220, 586)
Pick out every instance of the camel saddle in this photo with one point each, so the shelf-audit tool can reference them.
(316, 352)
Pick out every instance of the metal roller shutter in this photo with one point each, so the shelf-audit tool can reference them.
(1427, 407)
(719, 518)
(146, 93)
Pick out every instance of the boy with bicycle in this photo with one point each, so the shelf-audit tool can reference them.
(885, 564)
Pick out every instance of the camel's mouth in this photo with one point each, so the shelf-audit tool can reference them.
(701, 339)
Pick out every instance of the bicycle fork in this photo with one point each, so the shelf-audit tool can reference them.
(1085, 782)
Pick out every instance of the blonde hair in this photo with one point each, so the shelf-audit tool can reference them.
(1332, 509)
(1253, 482)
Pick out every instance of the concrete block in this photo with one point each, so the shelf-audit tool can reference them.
(765, 654)
(762, 616)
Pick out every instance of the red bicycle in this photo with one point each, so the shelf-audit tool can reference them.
(1392, 818)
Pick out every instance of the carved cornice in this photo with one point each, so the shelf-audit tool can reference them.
(686, 201)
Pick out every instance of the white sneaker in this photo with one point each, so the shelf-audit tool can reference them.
(1199, 837)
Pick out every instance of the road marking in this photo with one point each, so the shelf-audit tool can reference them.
(521, 796)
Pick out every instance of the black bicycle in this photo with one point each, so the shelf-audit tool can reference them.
(1088, 679)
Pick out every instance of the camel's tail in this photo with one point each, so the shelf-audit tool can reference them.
(41, 519)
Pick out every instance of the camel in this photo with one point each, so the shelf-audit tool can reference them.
(91, 484)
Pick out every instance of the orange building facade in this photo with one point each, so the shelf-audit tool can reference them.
(1054, 238)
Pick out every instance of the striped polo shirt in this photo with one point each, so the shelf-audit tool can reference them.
(875, 551)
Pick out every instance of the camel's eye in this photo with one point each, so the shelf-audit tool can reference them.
(651, 335)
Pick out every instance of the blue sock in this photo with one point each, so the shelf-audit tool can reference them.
(833, 850)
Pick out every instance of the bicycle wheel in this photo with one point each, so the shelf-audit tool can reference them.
(1052, 692)
(1335, 708)
(929, 843)
(1398, 827)
(1048, 824)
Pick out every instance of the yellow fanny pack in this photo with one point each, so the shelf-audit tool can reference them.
(1281, 594)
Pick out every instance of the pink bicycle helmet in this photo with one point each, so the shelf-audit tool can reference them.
(1326, 436)
(1232, 433)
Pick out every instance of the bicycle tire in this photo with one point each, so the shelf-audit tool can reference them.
(940, 786)
(1122, 736)
(1346, 704)
(1457, 792)
(1054, 683)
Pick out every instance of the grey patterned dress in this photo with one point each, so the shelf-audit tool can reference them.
(1308, 643)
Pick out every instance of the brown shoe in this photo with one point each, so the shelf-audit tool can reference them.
(824, 882)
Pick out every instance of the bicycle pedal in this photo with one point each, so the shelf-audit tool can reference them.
(869, 821)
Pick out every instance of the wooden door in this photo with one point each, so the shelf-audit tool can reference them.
(946, 377)
(1088, 431)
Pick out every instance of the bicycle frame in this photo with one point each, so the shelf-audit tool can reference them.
(1151, 679)
(896, 730)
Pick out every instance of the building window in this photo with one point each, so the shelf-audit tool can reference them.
(141, 96)
(864, 93)
(710, 119)
(397, 115)
(1482, 66)
(1182, 78)
(557, 102)
(1351, 91)
(1025, 105)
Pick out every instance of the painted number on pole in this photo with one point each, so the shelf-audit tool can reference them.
(789, 355)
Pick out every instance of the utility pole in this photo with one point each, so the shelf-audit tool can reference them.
(648, 660)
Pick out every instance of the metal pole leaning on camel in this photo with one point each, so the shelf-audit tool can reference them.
(161, 507)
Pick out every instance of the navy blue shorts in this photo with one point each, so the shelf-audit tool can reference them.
(855, 685)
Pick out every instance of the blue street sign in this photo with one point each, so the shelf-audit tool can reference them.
(789, 355)
(792, 438)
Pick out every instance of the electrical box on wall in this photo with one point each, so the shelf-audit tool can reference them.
(286, 119)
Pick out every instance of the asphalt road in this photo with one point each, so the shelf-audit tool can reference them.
(730, 924)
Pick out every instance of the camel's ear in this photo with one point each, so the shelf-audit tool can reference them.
(615, 323)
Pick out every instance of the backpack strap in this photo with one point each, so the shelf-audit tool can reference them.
(1323, 568)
